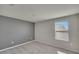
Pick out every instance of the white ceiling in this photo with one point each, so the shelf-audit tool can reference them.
(38, 12)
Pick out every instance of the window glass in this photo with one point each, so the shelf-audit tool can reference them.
(61, 30)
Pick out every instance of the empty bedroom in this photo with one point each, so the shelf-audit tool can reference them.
(39, 28)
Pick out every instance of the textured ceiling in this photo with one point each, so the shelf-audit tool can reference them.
(37, 12)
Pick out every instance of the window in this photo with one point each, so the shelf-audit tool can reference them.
(61, 30)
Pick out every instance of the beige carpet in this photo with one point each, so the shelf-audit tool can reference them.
(35, 48)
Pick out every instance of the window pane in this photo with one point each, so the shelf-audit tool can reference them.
(61, 25)
(61, 30)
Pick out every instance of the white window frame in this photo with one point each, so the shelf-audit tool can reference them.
(61, 33)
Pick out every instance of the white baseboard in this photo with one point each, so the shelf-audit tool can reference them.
(15, 46)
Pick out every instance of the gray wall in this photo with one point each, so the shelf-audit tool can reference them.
(45, 32)
(14, 30)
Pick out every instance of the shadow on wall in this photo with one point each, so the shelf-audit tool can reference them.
(14, 32)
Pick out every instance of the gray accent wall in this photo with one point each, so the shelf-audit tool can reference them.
(45, 33)
(14, 32)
